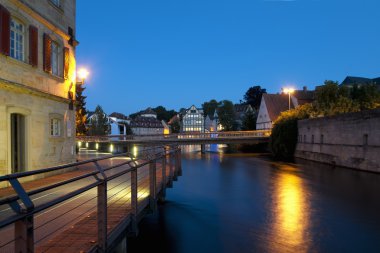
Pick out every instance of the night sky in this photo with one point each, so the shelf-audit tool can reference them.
(175, 53)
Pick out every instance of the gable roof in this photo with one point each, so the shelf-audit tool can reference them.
(148, 111)
(118, 115)
(304, 96)
(350, 80)
(276, 103)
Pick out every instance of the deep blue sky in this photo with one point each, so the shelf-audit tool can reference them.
(177, 53)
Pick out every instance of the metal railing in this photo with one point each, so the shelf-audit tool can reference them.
(28, 210)
(180, 136)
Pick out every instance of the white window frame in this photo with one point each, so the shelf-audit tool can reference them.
(17, 36)
(55, 127)
(55, 58)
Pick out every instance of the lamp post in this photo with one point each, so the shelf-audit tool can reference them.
(82, 74)
(288, 91)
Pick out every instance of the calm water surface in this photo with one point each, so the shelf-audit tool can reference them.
(248, 203)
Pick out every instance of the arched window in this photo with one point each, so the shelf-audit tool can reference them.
(17, 47)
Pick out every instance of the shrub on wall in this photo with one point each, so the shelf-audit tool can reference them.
(285, 132)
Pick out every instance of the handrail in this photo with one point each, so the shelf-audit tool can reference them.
(192, 135)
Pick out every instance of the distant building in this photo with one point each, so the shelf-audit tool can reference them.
(146, 126)
(146, 123)
(350, 81)
(304, 96)
(37, 84)
(118, 123)
(241, 110)
(211, 122)
(192, 120)
(270, 108)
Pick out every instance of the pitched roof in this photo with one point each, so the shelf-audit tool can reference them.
(304, 96)
(240, 108)
(118, 115)
(350, 80)
(277, 103)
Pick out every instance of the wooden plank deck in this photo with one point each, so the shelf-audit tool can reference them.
(81, 236)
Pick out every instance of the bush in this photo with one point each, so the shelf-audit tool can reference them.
(285, 132)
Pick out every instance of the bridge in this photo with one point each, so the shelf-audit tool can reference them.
(120, 143)
(87, 206)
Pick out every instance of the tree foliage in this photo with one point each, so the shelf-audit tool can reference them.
(175, 127)
(80, 111)
(210, 107)
(285, 131)
(253, 96)
(226, 114)
(332, 99)
(249, 121)
(99, 122)
(163, 114)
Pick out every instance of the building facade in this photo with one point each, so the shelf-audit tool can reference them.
(193, 120)
(37, 84)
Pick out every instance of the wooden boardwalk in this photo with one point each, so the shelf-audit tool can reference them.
(72, 226)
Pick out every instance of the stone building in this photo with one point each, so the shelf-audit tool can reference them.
(37, 84)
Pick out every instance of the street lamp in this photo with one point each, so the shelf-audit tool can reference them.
(288, 91)
(82, 75)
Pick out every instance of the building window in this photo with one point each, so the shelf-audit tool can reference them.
(55, 66)
(322, 137)
(55, 127)
(17, 40)
(56, 2)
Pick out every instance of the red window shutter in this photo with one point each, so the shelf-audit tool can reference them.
(47, 53)
(66, 62)
(33, 46)
(5, 30)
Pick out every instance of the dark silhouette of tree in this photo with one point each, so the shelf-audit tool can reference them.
(80, 111)
(249, 121)
(99, 122)
(226, 114)
(210, 107)
(253, 96)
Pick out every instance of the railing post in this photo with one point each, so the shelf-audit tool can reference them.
(24, 235)
(24, 228)
(102, 216)
(134, 202)
(152, 186)
(102, 210)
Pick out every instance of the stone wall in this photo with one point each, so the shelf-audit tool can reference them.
(350, 140)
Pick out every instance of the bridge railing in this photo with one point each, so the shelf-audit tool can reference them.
(185, 135)
(31, 215)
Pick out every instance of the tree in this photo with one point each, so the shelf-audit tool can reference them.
(175, 127)
(80, 111)
(285, 131)
(99, 122)
(210, 107)
(366, 96)
(226, 115)
(253, 96)
(249, 121)
(163, 114)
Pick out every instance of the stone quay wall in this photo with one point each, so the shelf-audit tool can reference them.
(350, 140)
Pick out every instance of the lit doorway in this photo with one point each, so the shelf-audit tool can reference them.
(18, 143)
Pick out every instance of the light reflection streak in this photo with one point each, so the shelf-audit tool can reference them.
(291, 212)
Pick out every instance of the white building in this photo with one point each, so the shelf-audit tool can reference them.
(192, 120)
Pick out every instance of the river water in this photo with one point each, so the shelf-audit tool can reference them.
(248, 203)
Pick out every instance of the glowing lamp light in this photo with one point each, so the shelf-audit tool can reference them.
(82, 74)
(288, 90)
(97, 146)
(111, 148)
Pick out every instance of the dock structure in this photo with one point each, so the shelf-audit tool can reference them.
(87, 206)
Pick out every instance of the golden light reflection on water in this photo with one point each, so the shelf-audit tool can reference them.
(291, 209)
